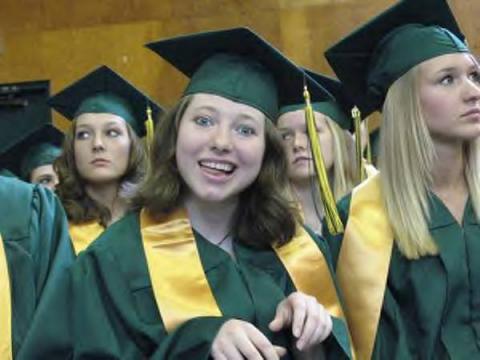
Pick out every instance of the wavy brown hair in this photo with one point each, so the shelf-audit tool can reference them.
(263, 217)
(79, 206)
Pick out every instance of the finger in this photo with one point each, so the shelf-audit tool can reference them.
(327, 328)
(227, 350)
(218, 356)
(282, 317)
(313, 321)
(262, 344)
(281, 351)
(299, 313)
(323, 331)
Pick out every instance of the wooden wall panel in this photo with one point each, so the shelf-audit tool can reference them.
(63, 39)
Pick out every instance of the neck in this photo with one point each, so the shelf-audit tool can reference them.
(311, 204)
(107, 195)
(448, 173)
(212, 220)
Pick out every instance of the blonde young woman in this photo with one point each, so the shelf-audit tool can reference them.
(330, 119)
(177, 278)
(409, 261)
(103, 156)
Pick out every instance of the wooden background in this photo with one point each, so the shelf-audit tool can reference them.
(62, 40)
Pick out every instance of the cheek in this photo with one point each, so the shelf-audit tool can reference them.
(122, 151)
(435, 108)
(80, 151)
(326, 142)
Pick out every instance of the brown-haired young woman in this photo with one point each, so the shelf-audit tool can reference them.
(103, 157)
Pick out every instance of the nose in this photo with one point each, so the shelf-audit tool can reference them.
(98, 143)
(472, 91)
(222, 139)
(300, 141)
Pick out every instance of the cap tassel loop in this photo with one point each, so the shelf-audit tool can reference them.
(332, 217)
(369, 146)
(356, 115)
(149, 127)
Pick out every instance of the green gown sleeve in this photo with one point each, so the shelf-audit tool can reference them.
(37, 246)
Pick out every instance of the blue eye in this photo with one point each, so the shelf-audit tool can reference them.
(286, 135)
(246, 130)
(203, 121)
(475, 77)
(82, 135)
(113, 133)
(446, 80)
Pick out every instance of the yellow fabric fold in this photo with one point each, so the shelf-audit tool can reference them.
(180, 286)
(309, 270)
(363, 264)
(83, 235)
(6, 351)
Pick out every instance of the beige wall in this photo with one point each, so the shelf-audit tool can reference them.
(61, 40)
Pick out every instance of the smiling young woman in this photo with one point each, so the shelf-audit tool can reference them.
(212, 264)
(103, 157)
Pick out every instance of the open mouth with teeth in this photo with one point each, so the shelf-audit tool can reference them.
(218, 167)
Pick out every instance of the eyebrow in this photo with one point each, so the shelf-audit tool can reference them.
(110, 123)
(204, 107)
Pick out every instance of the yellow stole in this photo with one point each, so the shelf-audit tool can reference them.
(309, 271)
(363, 264)
(6, 351)
(83, 234)
(180, 285)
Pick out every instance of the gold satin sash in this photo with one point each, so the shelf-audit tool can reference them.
(84, 234)
(363, 264)
(309, 271)
(180, 286)
(6, 351)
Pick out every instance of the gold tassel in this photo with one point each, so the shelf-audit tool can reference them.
(357, 118)
(149, 127)
(332, 217)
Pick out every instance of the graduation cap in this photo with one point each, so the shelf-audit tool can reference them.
(40, 147)
(338, 109)
(375, 55)
(23, 111)
(238, 65)
(104, 91)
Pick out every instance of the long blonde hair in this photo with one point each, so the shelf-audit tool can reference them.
(407, 154)
(342, 179)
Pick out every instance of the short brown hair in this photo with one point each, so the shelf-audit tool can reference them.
(71, 187)
(264, 215)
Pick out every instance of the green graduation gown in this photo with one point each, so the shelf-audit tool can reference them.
(431, 306)
(104, 307)
(37, 247)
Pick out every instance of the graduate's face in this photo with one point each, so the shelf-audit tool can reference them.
(101, 147)
(293, 129)
(44, 175)
(220, 147)
(450, 97)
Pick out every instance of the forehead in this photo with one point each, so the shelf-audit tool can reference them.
(97, 120)
(43, 170)
(450, 61)
(223, 105)
(296, 118)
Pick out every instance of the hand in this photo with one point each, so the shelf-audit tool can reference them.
(238, 339)
(311, 323)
